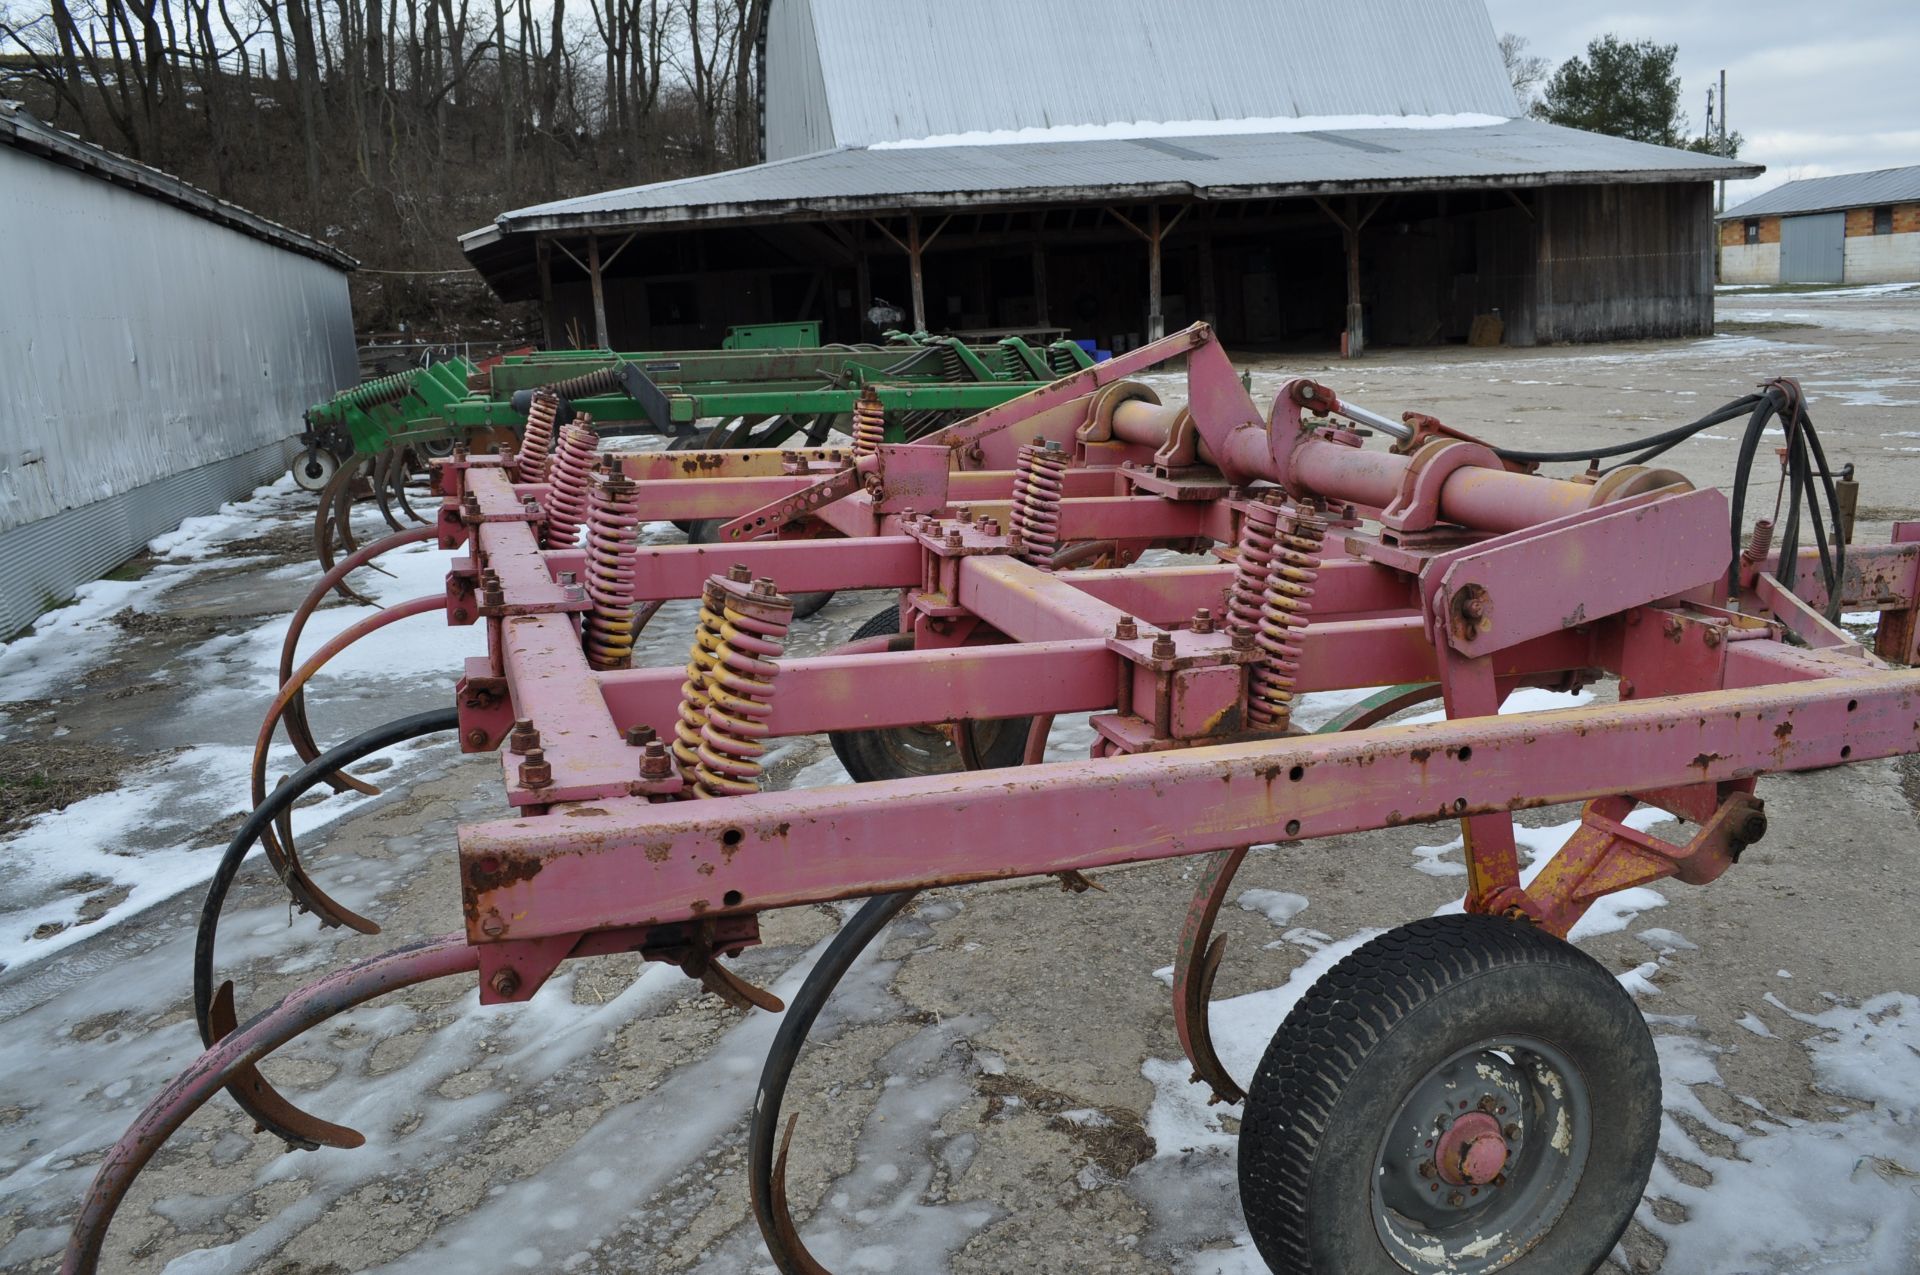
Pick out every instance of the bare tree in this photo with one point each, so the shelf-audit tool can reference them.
(1527, 71)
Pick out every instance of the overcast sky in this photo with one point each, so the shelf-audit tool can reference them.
(1816, 88)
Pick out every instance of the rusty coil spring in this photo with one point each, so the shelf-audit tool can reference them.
(1039, 482)
(378, 392)
(537, 439)
(1249, 592)
(693, 692)
(869, 423)
(1760, 542)
(567, 490)
(613, 535)
(723, 721)
(604, 381)
(1298, 540)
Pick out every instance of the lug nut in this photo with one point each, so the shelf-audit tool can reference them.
(1163, 647)
(739, 573)
(639, 736)
(954, 540)
(535, 772)
(523, 737)
(1203, 621)
(1126, 630)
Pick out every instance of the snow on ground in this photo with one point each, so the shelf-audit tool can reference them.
(140, 844)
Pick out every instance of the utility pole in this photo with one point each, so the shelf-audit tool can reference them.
(1723, 137)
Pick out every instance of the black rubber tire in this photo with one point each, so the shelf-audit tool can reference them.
(686, 443)
(1337, 1072)
(906, 752)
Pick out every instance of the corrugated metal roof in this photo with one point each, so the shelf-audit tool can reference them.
(24, 132)
(1846, 190)
(913, 70)
(1519, 152)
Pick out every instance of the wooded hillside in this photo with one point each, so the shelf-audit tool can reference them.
(388, 127)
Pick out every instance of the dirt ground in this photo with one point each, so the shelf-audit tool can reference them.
(999, 1089)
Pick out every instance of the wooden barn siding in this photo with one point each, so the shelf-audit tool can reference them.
(1624, 262)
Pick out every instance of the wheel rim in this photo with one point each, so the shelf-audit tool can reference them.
(313, 467)
(1482, 1157)
(929, 750)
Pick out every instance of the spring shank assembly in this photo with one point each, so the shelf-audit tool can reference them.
(739, 687)
(1038, 485)
(537, 439)
(571, 473)
(613, 529)
(1456, 574)
(1292, 567)
(869, 423)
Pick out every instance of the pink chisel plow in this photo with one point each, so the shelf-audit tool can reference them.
(1463, 1094)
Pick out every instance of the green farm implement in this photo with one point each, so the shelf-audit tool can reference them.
(371, 440)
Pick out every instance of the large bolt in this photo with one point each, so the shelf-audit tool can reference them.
(763, 588)
(504, 982)
(1203, 621)
(492, 926)
(954, 540)
(639, 736)
(1126, 630)
(654, 761)
(1163, 647)
(535, 772)
(524, 736)
(1242, 638)
(739, 573)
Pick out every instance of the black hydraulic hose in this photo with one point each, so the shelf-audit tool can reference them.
(1837, 576)
(802, 1010)
(1749, 444)
(280, 799)
(1662, 441)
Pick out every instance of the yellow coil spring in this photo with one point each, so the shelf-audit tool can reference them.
(693, 691)
(869, 424)
(1039, 482)
(739, 690)
(572, 471)
(613, 534)
(1249, 591)
(1295, 565)
(537, 440)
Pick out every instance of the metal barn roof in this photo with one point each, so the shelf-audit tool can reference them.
(1519, 152)
(850, 73)
(24, 132)
(1822, 194)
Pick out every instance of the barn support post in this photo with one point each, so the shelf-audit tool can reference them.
(1350, 226)
(1156, 231)
(1209, 299)
(913, 267)
(543, 252)
(1156, 316)
(914, 246)
(599, 293)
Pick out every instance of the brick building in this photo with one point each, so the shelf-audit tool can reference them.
(1853, 228)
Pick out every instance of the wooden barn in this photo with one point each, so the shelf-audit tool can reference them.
(1304, 176)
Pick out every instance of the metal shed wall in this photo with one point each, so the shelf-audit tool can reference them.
(152, 364)
(904, 71)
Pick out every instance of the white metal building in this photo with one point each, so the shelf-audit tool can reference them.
(1304, 175)
(1852, 228)
(157, 348)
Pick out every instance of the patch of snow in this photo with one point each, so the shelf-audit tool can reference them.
(1136, 129)
(1278, 906)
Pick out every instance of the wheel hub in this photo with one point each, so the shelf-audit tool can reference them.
(1471, 1152)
